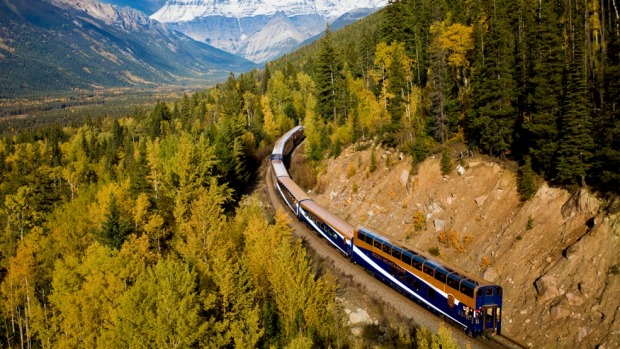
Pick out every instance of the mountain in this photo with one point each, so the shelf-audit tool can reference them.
(260, 30)
(61, 45)
(146, 6)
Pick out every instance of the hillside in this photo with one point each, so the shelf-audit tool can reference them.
(61, 46)
(555, 255)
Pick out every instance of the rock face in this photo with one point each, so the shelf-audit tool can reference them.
(555, 256)
(260, 30)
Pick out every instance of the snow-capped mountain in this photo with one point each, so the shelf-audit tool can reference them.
(259, 30)
(187, 10)
(56, 46)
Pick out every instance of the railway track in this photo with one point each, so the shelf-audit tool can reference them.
(390, 299)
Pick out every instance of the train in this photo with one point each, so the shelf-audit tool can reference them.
(470, 303)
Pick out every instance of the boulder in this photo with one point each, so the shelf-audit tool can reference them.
(404, 178)
(583, 333)
(490, 274)
(434, 207)
(480, 200)
(574, 299)
(460, 170)
(558, 313)
(547, 288)
(359, 317)
(439, 224)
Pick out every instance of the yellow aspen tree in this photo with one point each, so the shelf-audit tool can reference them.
(269, 123)
(18, 293)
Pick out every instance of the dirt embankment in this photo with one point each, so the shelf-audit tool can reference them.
(556, 256)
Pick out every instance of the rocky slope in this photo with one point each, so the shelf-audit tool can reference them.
(556, 255)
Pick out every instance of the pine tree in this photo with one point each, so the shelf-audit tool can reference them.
(115, 229)
(492, 117)
(329, 77)
(446, 162)
(573, 159)
(607, 159)
(526, 180)
(545, 83)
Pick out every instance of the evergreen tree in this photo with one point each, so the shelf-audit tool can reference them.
(329, 78)
(545, 86)
(492, 117)
(115, 229)
(526, 180)
(446, 162)
(573, 159)
(607, 158)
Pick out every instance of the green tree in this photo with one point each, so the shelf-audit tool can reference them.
(446, 162)
(115, 229)
(545, 83)
(573, 159)
(329, 77)
(526, 181)
(492, 117)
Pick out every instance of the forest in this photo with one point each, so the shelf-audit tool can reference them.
(137, 231)
(530, 81)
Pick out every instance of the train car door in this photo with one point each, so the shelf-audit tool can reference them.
(490, 319)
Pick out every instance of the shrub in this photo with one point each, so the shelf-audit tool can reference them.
(419, 221)
(530, 223)
(485, 263)
(434, 251)
(351, 169)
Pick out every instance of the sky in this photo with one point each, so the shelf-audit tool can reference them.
(147, 6)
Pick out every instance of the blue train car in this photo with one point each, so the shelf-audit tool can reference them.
(334, 229)
(471, 303)
(285, 144)
(291, 193)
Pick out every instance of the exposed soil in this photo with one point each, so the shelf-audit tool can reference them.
(556, 255)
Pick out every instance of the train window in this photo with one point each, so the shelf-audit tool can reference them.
(440, 275)
(428, 270)
(361, 236)
(393, 271)
(431, 293)
(453, 282)
(498, 291)
(387, 249)
(377, 244)
(417, 285)
(479, 293)
(406, 258)
(416, 264)
(408, 280)
(395, 253)
(466, 290)
(401, 275)
(489, 291)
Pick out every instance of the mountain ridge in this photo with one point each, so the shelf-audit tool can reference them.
(260, 30)
(67, 45)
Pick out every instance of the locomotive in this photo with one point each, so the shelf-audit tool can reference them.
(468, 302)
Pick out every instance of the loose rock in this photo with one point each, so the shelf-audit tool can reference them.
(547, 288)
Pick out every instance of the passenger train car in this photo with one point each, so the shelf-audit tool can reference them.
(466, 301)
